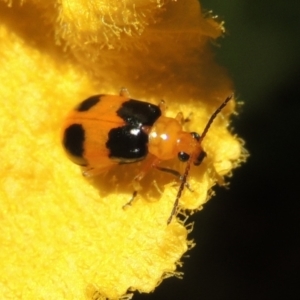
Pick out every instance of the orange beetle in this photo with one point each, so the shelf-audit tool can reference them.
(106, 130)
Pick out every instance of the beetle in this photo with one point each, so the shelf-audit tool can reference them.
(104, 131)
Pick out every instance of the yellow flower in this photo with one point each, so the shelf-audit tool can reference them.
(63, 237)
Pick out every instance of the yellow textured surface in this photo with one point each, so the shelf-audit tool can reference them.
(63, 237)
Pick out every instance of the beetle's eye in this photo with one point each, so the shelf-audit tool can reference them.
(196, 136)
(182, 156)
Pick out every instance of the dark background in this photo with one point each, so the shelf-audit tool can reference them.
(248, 236)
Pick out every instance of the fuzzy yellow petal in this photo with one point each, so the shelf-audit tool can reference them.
(65, 237)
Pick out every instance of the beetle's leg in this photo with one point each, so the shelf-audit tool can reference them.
(181, 119)
(124, 92)
(89, 172)
(175, 173)
(149, 164)
(129, 203)
(163, 107)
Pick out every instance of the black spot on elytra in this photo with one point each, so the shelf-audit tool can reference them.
(138, 113)
(73, 140)
(88, 103)
(127, 144)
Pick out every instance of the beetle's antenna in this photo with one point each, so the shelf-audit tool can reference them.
(188, 166)
(181, 188)
(213, 116)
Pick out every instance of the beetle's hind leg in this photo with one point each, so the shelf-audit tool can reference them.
(151, 163)
(133, 198)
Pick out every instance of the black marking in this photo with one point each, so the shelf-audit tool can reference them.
(170, 171)
(73, 142)
(138, 113)
(200, 158)
(182, 156)
(176, 174)
(196, 136)
(127, 144)
(88, 103)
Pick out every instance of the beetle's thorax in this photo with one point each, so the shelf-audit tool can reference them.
(167, 139)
